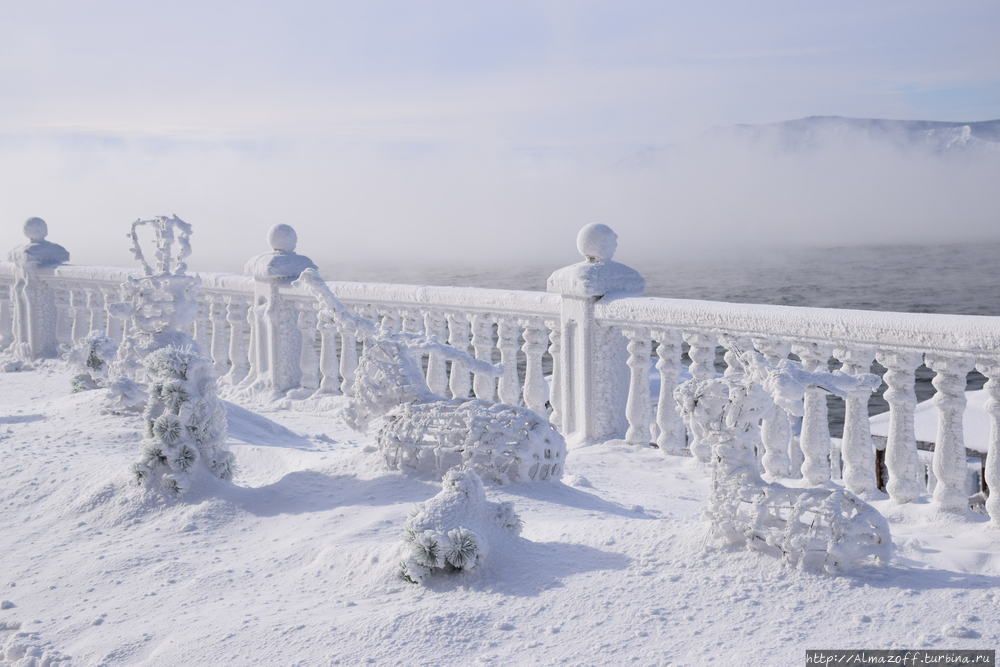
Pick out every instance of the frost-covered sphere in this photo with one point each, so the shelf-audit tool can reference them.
(282, 238)
(36, 229)
(597, 242)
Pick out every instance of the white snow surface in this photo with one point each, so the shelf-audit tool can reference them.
(295, 562)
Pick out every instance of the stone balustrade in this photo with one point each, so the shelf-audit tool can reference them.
(600, 359)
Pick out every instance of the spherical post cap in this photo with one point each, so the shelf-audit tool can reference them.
(282, 238)
(35, 229)
(597, 242)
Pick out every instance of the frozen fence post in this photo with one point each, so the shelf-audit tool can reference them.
(276, 341)
(34, 301)
(594, 386)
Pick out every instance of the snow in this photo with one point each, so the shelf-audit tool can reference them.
(295, 561)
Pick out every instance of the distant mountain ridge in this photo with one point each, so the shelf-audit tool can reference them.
(813, 131)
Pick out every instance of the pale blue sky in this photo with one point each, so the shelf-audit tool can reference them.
(256, 110)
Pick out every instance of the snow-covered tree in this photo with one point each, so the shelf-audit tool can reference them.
(456, 529)
(185, 423)
(92, 356)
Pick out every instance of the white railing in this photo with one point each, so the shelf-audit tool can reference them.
(583, 353)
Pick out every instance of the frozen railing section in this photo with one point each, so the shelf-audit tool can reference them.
(594, 355)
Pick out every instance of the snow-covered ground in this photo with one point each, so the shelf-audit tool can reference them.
(295, 563)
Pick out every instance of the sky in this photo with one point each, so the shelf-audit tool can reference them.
(440, 131)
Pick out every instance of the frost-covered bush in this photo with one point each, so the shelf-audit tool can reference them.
(185, 423)
(456, 529)
(92, 356)
(417, 430)
(817, 529)
(502, 443)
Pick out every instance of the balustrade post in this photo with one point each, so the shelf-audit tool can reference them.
(34, 313)
(857, 448)
(308, 359)
(6, 318)
(484, 386)
(329, 360)
(275, 367)
(814, 438)
(701, 351)
(905, 471)
(510, 384)
(77, 311)
(348, 359)
(555, 390)
(949, 464)
(217, 346)
(239, 340)
(594, 376)
(670, 437)
(437, 368)
(460, 380)
(991, 474)
(637, 406)
(775, 428)
(534, 382)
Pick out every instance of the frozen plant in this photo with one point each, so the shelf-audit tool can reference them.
(92, 356)
(455, 530)
(420, 431)
(185, 423)
(818, 529)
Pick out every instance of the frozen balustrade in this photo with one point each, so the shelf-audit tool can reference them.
(582, 352)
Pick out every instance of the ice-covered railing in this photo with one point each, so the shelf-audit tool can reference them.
(583, 352)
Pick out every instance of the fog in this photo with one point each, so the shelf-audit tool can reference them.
(473, 133)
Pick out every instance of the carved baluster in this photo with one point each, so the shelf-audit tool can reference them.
(203, 325)
(701, 350)
(308, 360)
(949, 464)
(637, 408)
(508, 332)
(6, 317)
(534, 381)
(815, 436)
(239, 338)
(857, 448)
(348, 359)
(64, 318)
(437, 367)
(482, 342)
(329, 360)
(775, 428)
(555, 390)
(390, 320)
(460, 381)
(905, 470)
(218, 335)
(412, 322)
(77, 313)
(94, 324)
(670, 438)
(991, 475)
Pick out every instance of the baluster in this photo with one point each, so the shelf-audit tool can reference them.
(637, 408)
(412, 322)
(814, 438)
(857, 448)
(348, 359)
(670, 438)
(239, 338)
(390, 320)
(482, 343)
(949, 463)
(6, 317)
(203, 325)
(217, 345)
(905, 470)
(775, 428)
(308, 362)
(94, 324)
(733, 364)
(77, 310)
(64, 318)
(460, 381)
(991, 475)
(508, 332)
(329, 360)
(437, 367)
(701, 351)
(555, 389)
(534, 381)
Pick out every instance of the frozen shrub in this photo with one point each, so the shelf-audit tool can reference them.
(92, 356)
(455, 530)
(185, 423)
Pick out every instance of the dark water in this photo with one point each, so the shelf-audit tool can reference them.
(953, 278)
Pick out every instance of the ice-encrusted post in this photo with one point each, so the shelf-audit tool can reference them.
(276, 341)
(34, 308)
(588, 354)
(905, 473)
(991, 369)
(949, 463)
